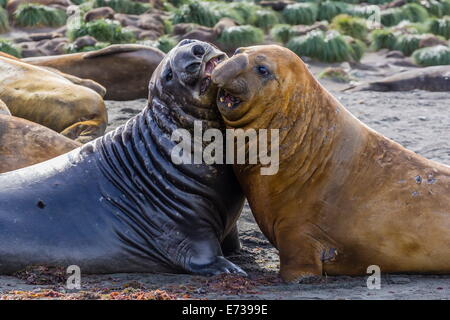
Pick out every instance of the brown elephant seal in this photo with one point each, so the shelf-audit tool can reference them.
(120, 203)
(436, 78)
(124, 70)
(49, 99)
(345, 197)
(24, 143)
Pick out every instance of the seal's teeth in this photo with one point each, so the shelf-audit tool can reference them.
(229, 105)
(222, 99)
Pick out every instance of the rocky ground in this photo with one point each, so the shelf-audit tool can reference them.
(419, 120)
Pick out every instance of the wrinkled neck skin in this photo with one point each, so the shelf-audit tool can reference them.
(167, 206)
(317, 137)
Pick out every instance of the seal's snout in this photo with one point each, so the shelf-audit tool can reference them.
(229, 70)
(227, 77)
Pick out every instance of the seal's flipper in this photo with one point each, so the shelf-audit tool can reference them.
(231, 245)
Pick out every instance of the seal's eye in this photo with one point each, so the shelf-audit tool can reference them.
(169, 75)
(262, 70)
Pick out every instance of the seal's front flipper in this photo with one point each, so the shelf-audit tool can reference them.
(218, 266)
(85, 131)
(231, 245)
(300, 255)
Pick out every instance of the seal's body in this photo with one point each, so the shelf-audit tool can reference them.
(345, 197)
(24, 143)
(124, 70)
(436, 78)
(51, 100)
(119, 204)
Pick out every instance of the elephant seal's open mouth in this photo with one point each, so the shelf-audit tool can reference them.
(227, 100)
(208, 68)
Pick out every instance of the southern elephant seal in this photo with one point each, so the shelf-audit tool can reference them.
(436, 78)
(119, 203)
(24, 143)
(51, 100)
(124, 70)
(345, 197)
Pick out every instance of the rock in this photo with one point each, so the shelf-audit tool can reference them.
(52, 47)
(223, 24)
(431, 41)
(151, 22)
(300, 30)
(99, 13)
(395, 54)
(84, 42)
(127, 19)
(182, 28)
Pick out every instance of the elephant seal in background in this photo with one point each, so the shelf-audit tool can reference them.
(49, 99)
(436, 78)
(119, 204)
(124, 70)
(345, 197)
(82, 82)
(24, 143)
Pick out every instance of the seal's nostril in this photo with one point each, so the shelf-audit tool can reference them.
(198, 50)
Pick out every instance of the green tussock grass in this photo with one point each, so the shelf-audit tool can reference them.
(329, 9)
(77, 2)
(358, 48)
(70, 48)
(196, 12)
(432, 56)
(391, 17)
(166, 43)
(281, 33)
(335, 74)
(266, 19)
(412, 12)
(408, 43)
(241, 36)
(437, 8)
(241, 12)
(362, 11)
(123, 6)
(103, 31)
(329, 47)
(9, 48)
(36, 15)
(300, 13)
(383, 39)
(440, 27)
(354, 27)
(4, 22)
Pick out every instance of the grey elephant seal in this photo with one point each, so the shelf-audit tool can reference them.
(119, 204)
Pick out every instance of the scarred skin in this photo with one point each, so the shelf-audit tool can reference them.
(345, 197)
(119, 203)
(51, 100)
(124, 70)
(24, 143)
